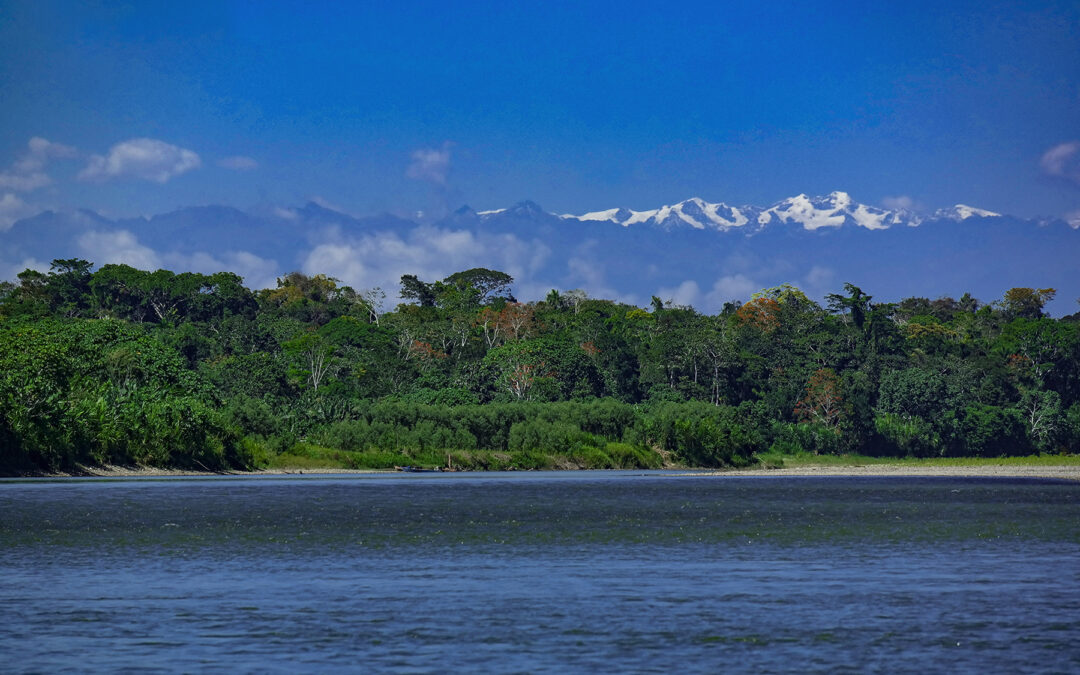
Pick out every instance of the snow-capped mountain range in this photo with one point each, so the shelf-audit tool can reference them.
(693, 252)
(812, 213)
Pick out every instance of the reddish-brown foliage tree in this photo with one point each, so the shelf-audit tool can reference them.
(762, 313)
(823, 403)
(513, 322)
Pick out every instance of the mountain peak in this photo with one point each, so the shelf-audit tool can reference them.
(316, 207)
(526, 207)
(837, 209)
(963, 212)
(840, 199)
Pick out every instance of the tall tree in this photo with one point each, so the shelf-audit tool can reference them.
(855, 304)
(1026, 303)
(488, 284)
(414, 289)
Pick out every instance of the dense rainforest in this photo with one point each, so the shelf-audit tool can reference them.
(124, 366)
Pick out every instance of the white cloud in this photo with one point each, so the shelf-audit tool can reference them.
(381, 258)
(820, 280)
(143, 159)
(9, 271)
(532, 289)
(686, 293)
(122, 247)
(257, 272)
(23, 182)
(900, 202)
(430, 164)
(587, 271)
(119, 247)
(1073, 219)
(735, 287)
(41, 151)
(732, 287)
(1062, 161)
(28, 173)
(238, 163)
(11, 209)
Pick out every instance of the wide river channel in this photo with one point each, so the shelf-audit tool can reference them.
(540, 572)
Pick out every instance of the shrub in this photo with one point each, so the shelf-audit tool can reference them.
(912, 436)
(553, 437)
(794, 438)
(987, 431)
(720, 442)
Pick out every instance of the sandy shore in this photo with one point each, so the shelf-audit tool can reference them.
(1069, 472)
(112, 471)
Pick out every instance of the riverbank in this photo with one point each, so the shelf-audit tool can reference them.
(114, 471)
(1012, 467)
(1062, 471)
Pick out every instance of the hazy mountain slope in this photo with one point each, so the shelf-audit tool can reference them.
(693, 252)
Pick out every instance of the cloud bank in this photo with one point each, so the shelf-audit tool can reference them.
(728, 288)
(381, 258)
(142, 159)
(122, 247)
(118, 247)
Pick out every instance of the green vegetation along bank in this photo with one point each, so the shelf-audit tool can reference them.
(122, 366)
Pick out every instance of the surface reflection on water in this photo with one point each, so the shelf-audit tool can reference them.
(541, 572)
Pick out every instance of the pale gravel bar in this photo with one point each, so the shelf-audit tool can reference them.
(1068, 472)
(115, 471)
(1064, 471)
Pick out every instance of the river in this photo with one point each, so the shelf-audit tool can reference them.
(540, 572)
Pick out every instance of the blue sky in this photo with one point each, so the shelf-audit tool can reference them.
(577, 106)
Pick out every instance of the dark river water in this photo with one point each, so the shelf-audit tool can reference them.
(540, 572)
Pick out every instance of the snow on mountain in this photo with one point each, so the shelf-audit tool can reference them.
(694, 212)
(815, 242)
(811, 214)
(619, 216)
(837, 209)
(963, 212)
(701, 215)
